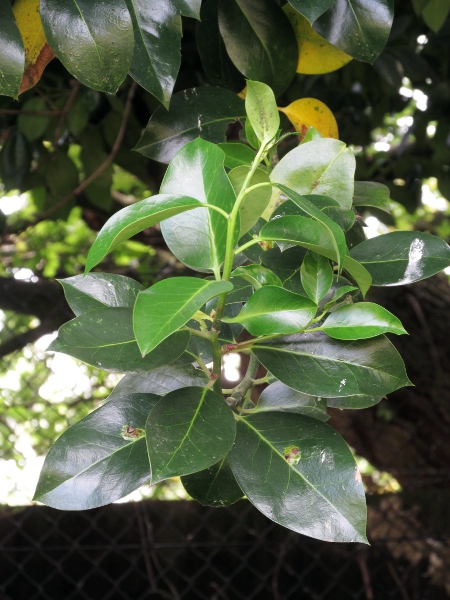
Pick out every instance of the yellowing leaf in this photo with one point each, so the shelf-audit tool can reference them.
(309, 112)
(37, 51)
(316, 54)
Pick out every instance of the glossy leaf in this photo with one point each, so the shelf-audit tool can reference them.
(259, 40)
(312, 9)
(198, 112)
(256, 201)
(281, 398)
(133, 219)
(95, 43)
(188, 8)
(92, 463)
(316, 276)
(166, 306)
(198, 239)
(320, 494)
(324, 166)
(402, 257)
(272, 310)
(189, 430)
(98, 290)
(353, 402)
(12, 58)
(358, 27)
(262, 111)
(104, 338)
(315, 54)
(360, 321)
(257, 276)
(157, 40)
(320, 366)
(310, 112)
(237, 155)
(339, 292)
(215, 486)
(372, 193)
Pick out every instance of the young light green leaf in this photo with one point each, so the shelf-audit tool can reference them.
(262, 111)
(237, 155)
(104, 338)
(135, 218)
(100, 459)
(317, 491)
(272, 310)
(99, 290)
(316, 276)
(372, 193)
(281, 398)
(215, 486)
(257, 275)
(360, 321)
(316, 364)
(168, 305)
(402, 257)
(189, 430)
(12, 57)
(256, 201)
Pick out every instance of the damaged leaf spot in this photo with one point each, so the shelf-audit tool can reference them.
(129, 432)
(292, 454)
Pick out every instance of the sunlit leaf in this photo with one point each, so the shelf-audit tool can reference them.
(310, 112)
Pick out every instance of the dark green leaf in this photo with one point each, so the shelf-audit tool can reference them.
(316, 276)
(198, 112)
(353, 402)
(12, 57)
(317, 492)
(96, 461)
(189, 430)
(15, 161)
(325, 167)
(257, 275)
(97, 290)
(215, 486)
(260, 41)
(435, 13)
(61, 174)
(256, 201)
(237, 155)
(360, 321)
(168, 305)
(94, 44)
(93, 156)
(104, 338)
(135, 218)
(188, 8)
(372, 193)
(262, 111)
(311, 9)
(32, 126)
(281, 398)
(402, 257)
(272, 310)
(320, 366)
(157, 40)
(198, 239)
(358, 27)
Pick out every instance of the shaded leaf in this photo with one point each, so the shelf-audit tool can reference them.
(33, 126)
(188, 8)
(353, 402)
(257, 276)
(215, 486)
(281, 398)
(12, 57)
(311, 9)
(372, 193)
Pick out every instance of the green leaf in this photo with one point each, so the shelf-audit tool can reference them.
(237, 155)
(250, 135)
(256, 201)
(104, 338)
(272, 310)
(93, 156)
(260, 41)
(316, 276)
(257, 276)
(198, 112)
(320, 366)
(157, 40)
(98, 290)
(281, 398)
(32, 126)
(311, 9)
(15, 161)
(320, 495)
(133, 219)
(12, 57)
(402, 257)
(168, 305)
(189, 430)
(338, 293)
(358, 27)
(435, 13)
(372, 193)
(360, 321)
(217, 65)
(324, 167)
(188, 8)
(198, 239)
(215, 486)
(262, 111)
(359, 273)
(353, 402)
(95, 462)
(95, 45)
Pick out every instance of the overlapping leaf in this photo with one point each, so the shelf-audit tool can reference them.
(215, 486)
(360, 321)
(281, 398)
(12, 58)
(311, 9)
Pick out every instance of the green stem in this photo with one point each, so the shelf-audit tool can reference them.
(202, 334)
(217, 209)
(256, 186)
(201, 364)
(252, 242)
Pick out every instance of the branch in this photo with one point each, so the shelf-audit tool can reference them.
(28, 337)
(68, 105)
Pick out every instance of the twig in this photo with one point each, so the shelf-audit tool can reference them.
(241, 390)
(68, 105)
(361, 559)
(398, 581)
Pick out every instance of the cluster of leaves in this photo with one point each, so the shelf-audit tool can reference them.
(281, 287)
